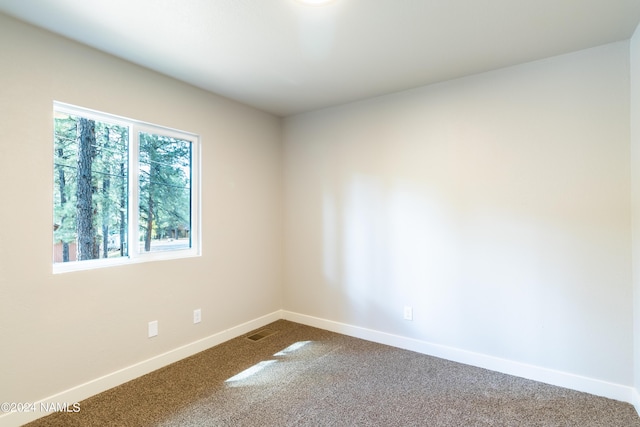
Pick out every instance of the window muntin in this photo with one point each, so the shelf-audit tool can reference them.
(107, 171)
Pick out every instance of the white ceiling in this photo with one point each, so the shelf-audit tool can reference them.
(285, 57)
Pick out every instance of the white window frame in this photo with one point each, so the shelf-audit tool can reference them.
(133, 229)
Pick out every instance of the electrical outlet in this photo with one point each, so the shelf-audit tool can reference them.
(153, 328)
(408, 312)
(197, 315)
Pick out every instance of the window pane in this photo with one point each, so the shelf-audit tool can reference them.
(165, 193)
(90, 188)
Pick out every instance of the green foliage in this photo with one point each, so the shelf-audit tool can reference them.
(164, 187)
(110, 163)
(165, 193)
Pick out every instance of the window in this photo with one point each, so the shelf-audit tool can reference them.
(124, 191)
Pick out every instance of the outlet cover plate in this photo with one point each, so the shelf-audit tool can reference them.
(153, 328)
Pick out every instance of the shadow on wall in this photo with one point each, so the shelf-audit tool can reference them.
(473, 273)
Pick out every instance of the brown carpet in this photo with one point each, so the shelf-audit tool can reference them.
(328, 379)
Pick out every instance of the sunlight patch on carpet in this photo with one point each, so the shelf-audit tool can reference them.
(293, 347)
(250, 371)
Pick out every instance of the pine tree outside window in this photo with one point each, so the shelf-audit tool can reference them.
(124, 191)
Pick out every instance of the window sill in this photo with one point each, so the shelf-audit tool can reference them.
(96, 264)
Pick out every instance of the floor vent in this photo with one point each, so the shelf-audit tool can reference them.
(261, 334)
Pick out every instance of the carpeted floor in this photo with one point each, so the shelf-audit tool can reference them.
(303, 376)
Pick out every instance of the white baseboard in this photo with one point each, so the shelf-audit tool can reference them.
(98, 385)
(558, 378)
(636, 400)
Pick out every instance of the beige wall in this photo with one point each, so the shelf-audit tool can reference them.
(635, 162)
(59, 331)
(497, 206)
